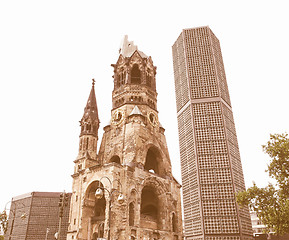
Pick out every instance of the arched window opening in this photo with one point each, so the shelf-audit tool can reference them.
(122, 78)
(135, 75)
(131, 214)
(174, 223)
(151, 163)
(99, 204)
(86, 144)
(90, 192)
(149, 208)
(88, 127)
(95, 208)
(115, 159)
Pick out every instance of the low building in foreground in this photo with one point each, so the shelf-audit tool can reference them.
(257, 225)
(35, 216)
(259, 230)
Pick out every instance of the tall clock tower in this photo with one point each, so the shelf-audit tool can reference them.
(125, 190)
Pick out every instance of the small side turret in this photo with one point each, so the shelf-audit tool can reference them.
(89, 127)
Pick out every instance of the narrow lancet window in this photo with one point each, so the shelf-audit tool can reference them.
(131, 214)
(135, 75)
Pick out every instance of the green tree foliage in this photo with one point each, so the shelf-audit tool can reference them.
(3, 221)
(278, 149)
(272, 202)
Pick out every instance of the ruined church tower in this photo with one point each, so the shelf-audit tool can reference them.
(125, 190)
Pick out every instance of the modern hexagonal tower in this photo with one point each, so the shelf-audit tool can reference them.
(210, 159)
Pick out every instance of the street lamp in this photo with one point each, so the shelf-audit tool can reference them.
(100, 192)
(63, 202)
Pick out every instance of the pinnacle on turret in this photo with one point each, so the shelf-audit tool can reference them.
(90, 109)
(90, 121)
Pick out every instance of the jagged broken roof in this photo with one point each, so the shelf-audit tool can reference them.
(127, 48)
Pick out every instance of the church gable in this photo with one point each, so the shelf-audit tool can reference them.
(120, 61)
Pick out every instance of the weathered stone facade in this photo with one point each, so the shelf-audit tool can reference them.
(133, 160)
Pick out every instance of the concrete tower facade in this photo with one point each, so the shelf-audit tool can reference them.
(210, 160)
(125, 190)
(35, 215)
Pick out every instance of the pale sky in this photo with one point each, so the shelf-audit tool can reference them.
(50, 51)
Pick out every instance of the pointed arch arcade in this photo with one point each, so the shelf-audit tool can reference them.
(154, 161)
(96, 207)
(153, 204)
(150, 207)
